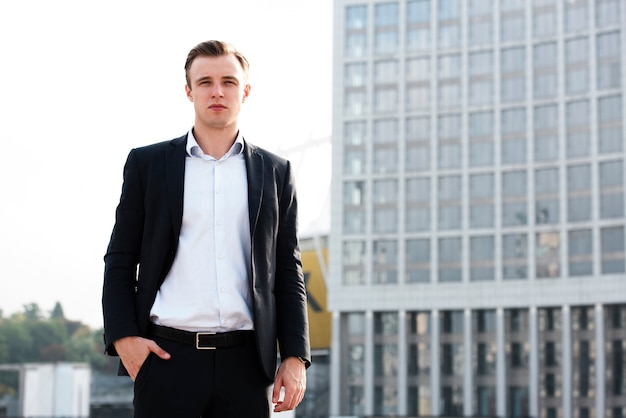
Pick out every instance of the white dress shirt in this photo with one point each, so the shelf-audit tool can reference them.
(207, 288)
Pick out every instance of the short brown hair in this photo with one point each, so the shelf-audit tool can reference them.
(214, 49)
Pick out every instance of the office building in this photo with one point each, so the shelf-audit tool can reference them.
(477, 245)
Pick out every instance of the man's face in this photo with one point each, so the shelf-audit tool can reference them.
(218, 88)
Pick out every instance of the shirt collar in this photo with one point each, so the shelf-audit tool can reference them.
(194, 150)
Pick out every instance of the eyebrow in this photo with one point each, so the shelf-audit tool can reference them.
(209, 78)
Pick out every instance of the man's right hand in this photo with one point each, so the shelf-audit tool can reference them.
(133, 351)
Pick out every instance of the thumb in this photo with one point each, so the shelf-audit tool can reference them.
(156, 349)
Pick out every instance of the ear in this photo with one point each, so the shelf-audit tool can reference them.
(246, 92)
(188, 92)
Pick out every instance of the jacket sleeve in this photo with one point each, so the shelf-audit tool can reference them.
(290, 291)
(122, 258)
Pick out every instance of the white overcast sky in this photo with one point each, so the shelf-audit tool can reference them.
(82, 82)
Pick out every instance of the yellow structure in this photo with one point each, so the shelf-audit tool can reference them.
(315, 266)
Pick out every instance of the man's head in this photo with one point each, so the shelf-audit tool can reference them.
(214, 49)
(217, 85)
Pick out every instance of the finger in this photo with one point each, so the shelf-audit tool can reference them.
(278, 383)
(288, 399)
(156, 349)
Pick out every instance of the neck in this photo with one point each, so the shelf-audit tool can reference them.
(215, 142)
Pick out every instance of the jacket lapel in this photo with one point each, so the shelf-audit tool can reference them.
(255, 175)
(175, 180)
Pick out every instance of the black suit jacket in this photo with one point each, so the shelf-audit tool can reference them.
(145, 239)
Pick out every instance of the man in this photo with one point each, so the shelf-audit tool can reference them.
(203, 274)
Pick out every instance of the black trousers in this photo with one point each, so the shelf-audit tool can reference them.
(221, 383)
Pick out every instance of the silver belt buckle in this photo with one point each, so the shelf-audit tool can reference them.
(198, 335)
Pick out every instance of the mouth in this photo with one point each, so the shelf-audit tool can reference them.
(217, 107)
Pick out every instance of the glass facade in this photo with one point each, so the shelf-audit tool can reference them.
(419, 363)
(484, 354)
(550, 344)
(452, 360)
(479, 207)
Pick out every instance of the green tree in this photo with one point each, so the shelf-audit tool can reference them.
(18, 340)
(4, 346)
(57, 312)
(32, 312)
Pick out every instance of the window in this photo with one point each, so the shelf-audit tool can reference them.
(481, 139)
(514, 136)
(418, 144)
(514, 211)
(356, 44)
(576, 15)
(386, 100)
(545, 70)
(481, 63)
(386, 72)
(547, 196)
(418, 39)
(612, 247)
(356, 74)
(480, 92)
(385, 206)
(610, 129)
(449, 66)
(609, 60)
(544, 20)
(578, 136)
(547, 250)
(418, 69)
(579, 193)
(577, 61)
(449, 202)
(450, 256)
(386, 131)
(418, 260)
(546, 133)
(418, 204)
(386, 41)
(512, 28)
(449, 9)
(418, 11)
(480, 32)
(418, 97)
(607, 12)
(354, 133)
(481, 200)
(480, 7)
(514, 256)
(356, 103)
(580, 248)
(513, 62)
(482, 258)
(386, 14)
(385, 269)
(356, 17)
(450, 95)
(353, 263)
(611, 189)
(449, 36)
(354, 207)
(354, 161)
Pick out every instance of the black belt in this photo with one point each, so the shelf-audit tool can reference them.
(203, 340)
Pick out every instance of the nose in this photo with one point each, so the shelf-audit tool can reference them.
(217, 91)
